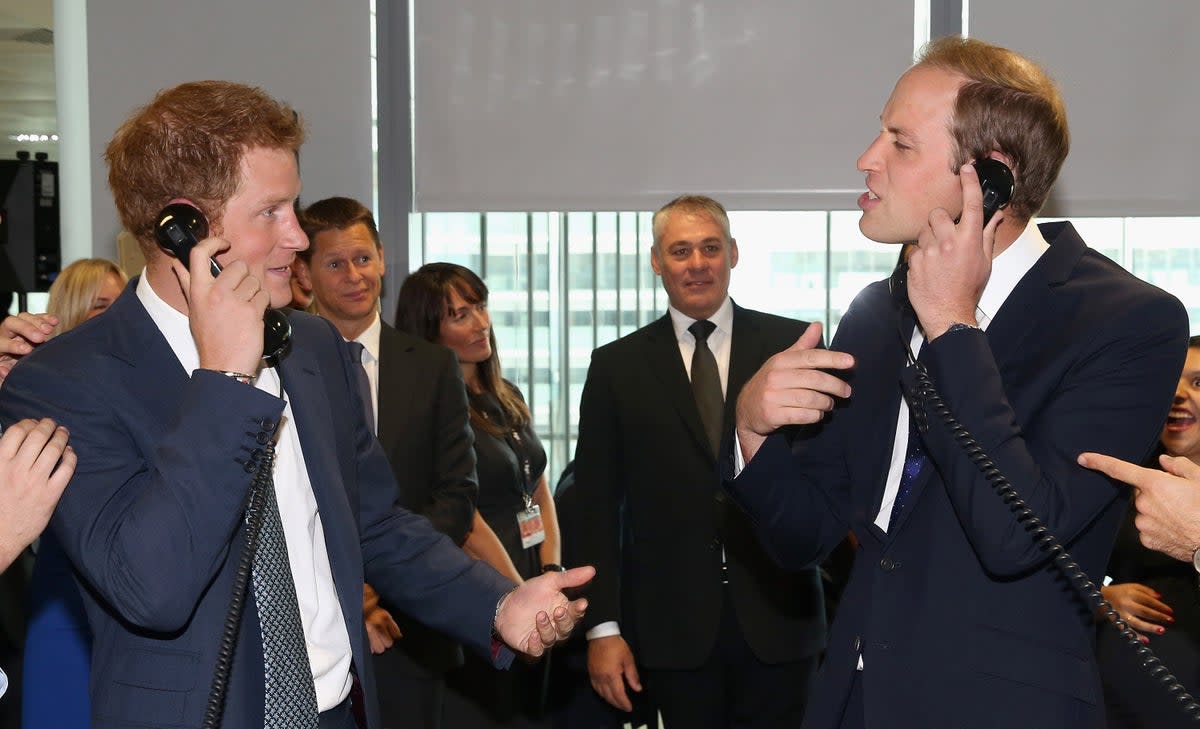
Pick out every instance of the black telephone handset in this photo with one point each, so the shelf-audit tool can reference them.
(997, 182)
(179, 228)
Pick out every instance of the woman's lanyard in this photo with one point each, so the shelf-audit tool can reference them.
(522, 453)
(529, 519)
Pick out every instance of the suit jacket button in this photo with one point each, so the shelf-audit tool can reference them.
(887, 564)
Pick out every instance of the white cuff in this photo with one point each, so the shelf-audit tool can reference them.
(739, 463)
(604, 630)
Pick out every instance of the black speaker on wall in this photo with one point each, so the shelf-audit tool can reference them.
(30, 247)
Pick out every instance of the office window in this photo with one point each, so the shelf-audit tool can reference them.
(563, 284)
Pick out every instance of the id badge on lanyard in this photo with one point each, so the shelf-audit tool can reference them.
(529, 519)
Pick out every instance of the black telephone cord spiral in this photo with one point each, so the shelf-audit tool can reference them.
(928, 397)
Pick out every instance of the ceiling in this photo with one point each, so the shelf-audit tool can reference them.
(27, 101)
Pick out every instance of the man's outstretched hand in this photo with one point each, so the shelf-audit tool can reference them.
(536, 615)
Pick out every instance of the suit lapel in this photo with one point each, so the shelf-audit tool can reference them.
(1032, 301)
(301, 373)
(394, 392)
(136, 340)
(666, 364)
(746, 355)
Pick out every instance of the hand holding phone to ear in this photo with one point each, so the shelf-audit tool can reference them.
(952, 261)
(225, 313)
(224, 343)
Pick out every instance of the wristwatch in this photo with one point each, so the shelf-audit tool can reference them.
(960, 327)
(1196, 559)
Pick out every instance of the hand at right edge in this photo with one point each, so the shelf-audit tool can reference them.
(790, 388)
(611, 667)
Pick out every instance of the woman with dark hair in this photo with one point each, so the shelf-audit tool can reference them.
(447, 304)
(1156, 594)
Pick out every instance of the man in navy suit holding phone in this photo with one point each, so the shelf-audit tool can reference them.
(173, 412)
(1041, 348)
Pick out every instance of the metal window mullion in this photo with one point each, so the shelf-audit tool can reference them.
(595, 286)
(483, 246)
(564, 326)
(828, 276)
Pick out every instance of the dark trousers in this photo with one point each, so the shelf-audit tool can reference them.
(480, 697)
(733, 689)
(412, 703)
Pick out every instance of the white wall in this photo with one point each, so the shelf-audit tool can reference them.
(1128, 75)
(313, 54)
(624, 104)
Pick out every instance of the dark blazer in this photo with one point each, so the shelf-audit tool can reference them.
(151, 520)
(960, 618)
(643, 456)
(425, 430)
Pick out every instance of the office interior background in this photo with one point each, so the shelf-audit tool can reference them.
(530, 139)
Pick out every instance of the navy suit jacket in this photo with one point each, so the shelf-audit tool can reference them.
(960, 619)
(152, 519)
(642, 456)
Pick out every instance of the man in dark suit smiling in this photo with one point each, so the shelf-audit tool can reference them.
(653, 409)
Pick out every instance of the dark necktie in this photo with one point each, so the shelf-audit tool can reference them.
(291, 697)
(914, 461)
(706, 383)
(364, 384)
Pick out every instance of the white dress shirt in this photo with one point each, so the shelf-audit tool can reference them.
(1008, 268)
(720, 343)
(325, 632)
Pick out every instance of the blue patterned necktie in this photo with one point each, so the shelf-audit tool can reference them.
(914, 461)
(291, 698)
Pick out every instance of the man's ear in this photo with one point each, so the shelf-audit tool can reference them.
(303, 274)
(1002, 157)
(655, 259)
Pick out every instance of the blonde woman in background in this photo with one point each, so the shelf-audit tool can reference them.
(84, 289)
(58, 641)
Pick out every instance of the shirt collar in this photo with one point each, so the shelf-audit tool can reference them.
(723, 318)
(1010, 267)
(172, 323)
(369, 339)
